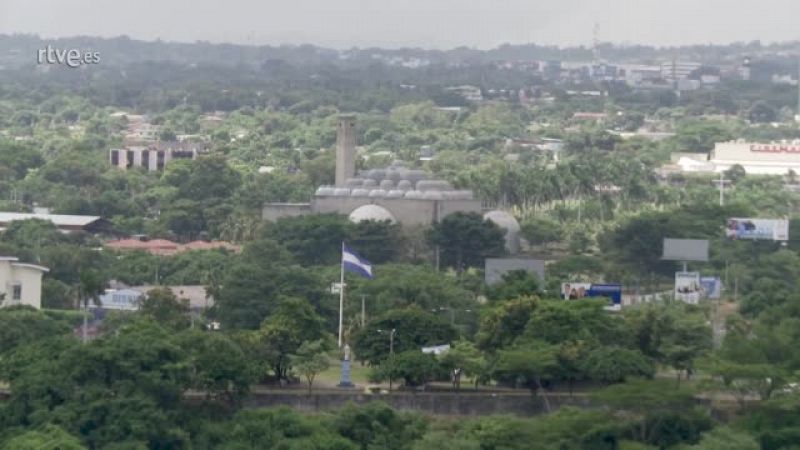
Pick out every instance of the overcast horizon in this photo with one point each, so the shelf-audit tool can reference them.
(432, 24)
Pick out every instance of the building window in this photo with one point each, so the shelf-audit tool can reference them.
(114, 157)
(17, 292)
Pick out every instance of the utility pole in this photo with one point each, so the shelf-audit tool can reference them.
(363, 311)
(85, 305)
(341, 296)
(797, 116)
(391, 356)
(721, 186)
(391, 353)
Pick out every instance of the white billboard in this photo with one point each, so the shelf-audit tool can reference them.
(687, 287)
(757, 229)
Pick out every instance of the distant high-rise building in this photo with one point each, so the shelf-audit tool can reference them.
(678, 70)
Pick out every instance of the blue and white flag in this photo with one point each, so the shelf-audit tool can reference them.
(354, 263)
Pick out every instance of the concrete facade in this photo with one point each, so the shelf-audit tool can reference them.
(20, 283)
(153, 157)
(274, 211)
(407, 212)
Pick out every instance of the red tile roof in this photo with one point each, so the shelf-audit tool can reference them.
(167, 247)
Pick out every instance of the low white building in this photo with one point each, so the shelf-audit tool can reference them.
(130, 298)
(20, 283)
(773, 158)
(693, 164)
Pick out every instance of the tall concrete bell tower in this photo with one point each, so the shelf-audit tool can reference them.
(345, 149)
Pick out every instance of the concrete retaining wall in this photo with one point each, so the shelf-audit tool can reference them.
(450, 404)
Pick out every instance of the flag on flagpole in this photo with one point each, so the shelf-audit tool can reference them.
(351, 262)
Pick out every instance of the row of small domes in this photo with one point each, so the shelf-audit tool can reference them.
(403, 185)
(394, 173)
(330, 191)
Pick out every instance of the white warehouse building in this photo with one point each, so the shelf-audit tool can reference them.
(774, 158)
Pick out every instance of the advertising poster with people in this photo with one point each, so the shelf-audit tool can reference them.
(577, 291)
(757, 229)
(712, 287)
(687, 287)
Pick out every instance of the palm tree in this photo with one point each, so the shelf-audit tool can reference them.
(240, 228)
(90, 285)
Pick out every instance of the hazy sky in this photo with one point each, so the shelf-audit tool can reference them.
(422, 23)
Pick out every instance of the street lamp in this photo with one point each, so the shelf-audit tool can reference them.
(452, 312)
(391, 353)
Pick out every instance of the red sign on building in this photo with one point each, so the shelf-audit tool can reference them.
(774, 148)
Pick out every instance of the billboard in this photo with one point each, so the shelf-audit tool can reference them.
(121, 300)
(575, 291)
(496, 268)
(687, 287)
(757, 229)
(711, 286)
(685, 249)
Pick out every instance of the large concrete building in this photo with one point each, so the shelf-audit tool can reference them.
(155, 156)
(410, 197)
(678, 70)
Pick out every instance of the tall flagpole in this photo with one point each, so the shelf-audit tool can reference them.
(341, 295)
